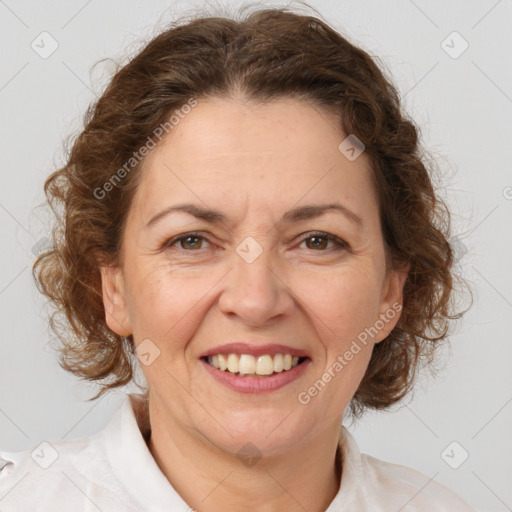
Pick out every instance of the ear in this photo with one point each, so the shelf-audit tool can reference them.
(114, 300)
(391, 301)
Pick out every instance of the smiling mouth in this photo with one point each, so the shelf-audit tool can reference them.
(247, 365)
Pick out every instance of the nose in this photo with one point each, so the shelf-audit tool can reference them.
(256, 292)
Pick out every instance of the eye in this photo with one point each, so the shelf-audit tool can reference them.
(187, 241)
(321, 239)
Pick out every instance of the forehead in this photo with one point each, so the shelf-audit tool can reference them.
(231, 154)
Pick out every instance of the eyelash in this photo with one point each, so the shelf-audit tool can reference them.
(341, 244)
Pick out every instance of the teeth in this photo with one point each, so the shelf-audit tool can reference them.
(278, 363)
(233, 363)
(246, 364)
(264, 365)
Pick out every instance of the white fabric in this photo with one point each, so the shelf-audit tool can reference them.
(113, 471)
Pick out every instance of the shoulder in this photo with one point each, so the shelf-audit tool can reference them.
(373, 484)
(417, 491)
(59, 475)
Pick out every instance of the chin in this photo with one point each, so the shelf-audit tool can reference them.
(267, 432)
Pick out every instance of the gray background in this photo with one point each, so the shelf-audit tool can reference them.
(464, 107)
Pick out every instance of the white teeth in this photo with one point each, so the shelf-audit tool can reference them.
(264, 365)
(246, 364)
(233, 363)
(278, 363)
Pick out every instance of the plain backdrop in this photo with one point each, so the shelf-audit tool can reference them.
(451, 62)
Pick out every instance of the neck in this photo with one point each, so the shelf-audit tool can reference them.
(211, 480)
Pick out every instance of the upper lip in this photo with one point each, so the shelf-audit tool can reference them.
(254, 350)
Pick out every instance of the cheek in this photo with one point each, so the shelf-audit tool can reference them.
(341, 303)
(161, 301)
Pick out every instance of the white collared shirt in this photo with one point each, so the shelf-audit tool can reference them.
(114, 471)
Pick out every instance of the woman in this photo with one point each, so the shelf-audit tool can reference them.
(247, 217)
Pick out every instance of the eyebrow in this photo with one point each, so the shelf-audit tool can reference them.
(295, 215)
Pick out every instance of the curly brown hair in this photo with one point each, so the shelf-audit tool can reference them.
(268, 54)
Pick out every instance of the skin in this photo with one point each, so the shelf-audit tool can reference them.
(253, 163)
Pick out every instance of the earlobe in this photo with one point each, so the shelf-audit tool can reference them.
(392, 301)
(114, 300)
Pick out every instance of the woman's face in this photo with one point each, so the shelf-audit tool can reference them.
(254, 274)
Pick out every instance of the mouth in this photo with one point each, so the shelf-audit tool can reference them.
(255, 369)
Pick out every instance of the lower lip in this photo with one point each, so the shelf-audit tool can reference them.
(256, 384)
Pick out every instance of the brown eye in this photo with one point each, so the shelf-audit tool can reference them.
(319, 241)
(187, 242)
(193, 242)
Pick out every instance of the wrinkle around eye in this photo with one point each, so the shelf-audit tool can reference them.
(210, 250)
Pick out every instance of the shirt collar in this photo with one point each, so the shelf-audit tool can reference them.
(132, 462)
